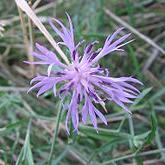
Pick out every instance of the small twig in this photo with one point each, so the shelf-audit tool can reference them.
(133, 30)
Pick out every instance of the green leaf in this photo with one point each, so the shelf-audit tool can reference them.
(138, 140)
(154, 125)
(139, 161)
(151, 134)
(10, 127)
(157, 95)
(106, 148)
(25, 156)
(141, 96)
(104, 134)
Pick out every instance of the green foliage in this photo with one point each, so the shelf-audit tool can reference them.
(126, 139)
(25, 157)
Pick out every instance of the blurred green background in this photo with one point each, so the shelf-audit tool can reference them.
(27, 122)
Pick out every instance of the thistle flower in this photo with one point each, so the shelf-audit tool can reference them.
(83, 78)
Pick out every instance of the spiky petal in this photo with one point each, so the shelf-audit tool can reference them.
(84, 79)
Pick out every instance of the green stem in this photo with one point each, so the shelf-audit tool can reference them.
(133, 155)
(131, 127)
(55, 134)
(121, 124)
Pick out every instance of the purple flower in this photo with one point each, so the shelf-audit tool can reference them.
(83, 78)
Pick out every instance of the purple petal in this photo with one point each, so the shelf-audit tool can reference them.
(54, 90)
(117, 101)
(85, 112)
(70, 24)
(110, 38)
(50, 68)
(36, 62)
(124, 84)
(74, 111)
(101, 116)
(54, 28)
(44, 89)
(65, 34)
(92, 115)
(120, 40)
(39, 56)
(66, 121)
(109, 46)
(38, 85)
(38, 78)
(41, 48)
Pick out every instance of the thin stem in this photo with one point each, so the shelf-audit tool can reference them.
(55, 134)
(121, 124)
(131, 127)
(31, 45)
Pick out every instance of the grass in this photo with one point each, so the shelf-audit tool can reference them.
(27, 123)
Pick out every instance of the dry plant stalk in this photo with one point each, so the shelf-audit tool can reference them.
(26, 42)
(26, 8)
(133, 30)
(36, 3)
(31, 39)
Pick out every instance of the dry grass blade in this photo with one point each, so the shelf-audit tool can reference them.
(154, 54)
(1, 30)
(36, 3)
(26, 41)
(133, 30)
(25, 7)
(153, 79)
(14, 89)
(150, 60)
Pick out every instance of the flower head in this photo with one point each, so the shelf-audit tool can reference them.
(83, 78)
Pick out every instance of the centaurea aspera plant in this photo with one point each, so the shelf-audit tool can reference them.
(83, 78)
